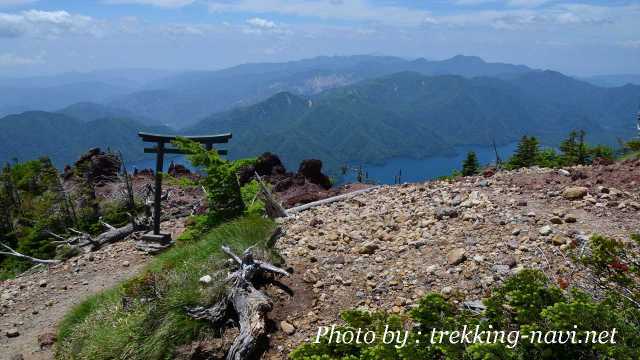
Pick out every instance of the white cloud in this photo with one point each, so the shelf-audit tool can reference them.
(519, 14)
(261, 23)
(46, 23)
(258, 25)
(159, 3)
(10, 59)
(354, 10)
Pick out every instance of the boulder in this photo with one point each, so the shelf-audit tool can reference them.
(47, 340)
(97, 166)
(311, 169)
(368, 248)
(545, 230)
(268, 164)
(575, 192)
(443, 212)
(287, 328)
(12, 333)
(178, 170)
(456, 257)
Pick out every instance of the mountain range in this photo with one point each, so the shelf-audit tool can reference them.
(63, 139)
(339, 109)
(412, 115)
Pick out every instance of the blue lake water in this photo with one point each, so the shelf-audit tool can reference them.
(413, 170)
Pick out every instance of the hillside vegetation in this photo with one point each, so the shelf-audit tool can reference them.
(63, 139)
(412, 115)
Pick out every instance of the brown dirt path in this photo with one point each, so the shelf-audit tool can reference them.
(34, 304)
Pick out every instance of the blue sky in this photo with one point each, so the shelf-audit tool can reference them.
(581, 37)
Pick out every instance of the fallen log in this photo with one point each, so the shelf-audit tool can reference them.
(330, 200)
(113, 234)
(250, 304)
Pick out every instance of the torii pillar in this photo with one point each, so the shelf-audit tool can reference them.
(160, 149)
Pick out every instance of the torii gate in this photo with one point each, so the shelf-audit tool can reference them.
(160, 149)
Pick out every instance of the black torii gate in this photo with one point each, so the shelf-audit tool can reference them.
(160, 149)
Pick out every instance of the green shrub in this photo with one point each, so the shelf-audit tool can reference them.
(526, 302)
(633, 145)
(254, 206)
(220, 181)
(526, 154)
(470, 166)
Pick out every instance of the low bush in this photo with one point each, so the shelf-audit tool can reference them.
(527, 302)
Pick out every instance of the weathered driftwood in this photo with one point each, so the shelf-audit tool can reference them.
(10, 252)
(250, 304)
(329, 200)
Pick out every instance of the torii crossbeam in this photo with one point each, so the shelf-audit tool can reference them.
(160, 149)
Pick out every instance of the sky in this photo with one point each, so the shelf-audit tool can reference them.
(582, 37)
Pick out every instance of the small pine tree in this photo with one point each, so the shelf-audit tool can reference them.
(470, 166)
(574, 150)
(527, 153)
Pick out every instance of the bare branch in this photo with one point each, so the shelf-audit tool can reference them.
(228, 251)
(108, 226)
(11, 252)
(271, 268)
(56, 235)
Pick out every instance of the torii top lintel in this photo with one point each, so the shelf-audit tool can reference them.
(203, 139)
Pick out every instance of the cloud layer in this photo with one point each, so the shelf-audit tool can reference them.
(557, 34)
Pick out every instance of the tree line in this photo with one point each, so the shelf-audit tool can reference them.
(574, 150)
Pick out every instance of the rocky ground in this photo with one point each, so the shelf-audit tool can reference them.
(386, 248)
(380, 250)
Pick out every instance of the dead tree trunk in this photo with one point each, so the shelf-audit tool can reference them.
(87, 242)
(271, 205)
(250, 304)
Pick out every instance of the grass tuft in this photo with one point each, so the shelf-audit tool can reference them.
(144, 318)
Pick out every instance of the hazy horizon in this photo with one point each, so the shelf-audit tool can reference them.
(580, 38)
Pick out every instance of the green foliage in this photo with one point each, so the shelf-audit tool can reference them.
(574, 150)
(144, 318)
(30, 204)
(240, 163)
(64, 252)
(526, 154)
(601, 152)
(633, 145)
(526, 302)
(33, 203)
(470, 166)
(454, 175)
(548, 158)
(221, 183)
(254, 205)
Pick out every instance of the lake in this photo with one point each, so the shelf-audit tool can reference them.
(413, 170)
(416, 170)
